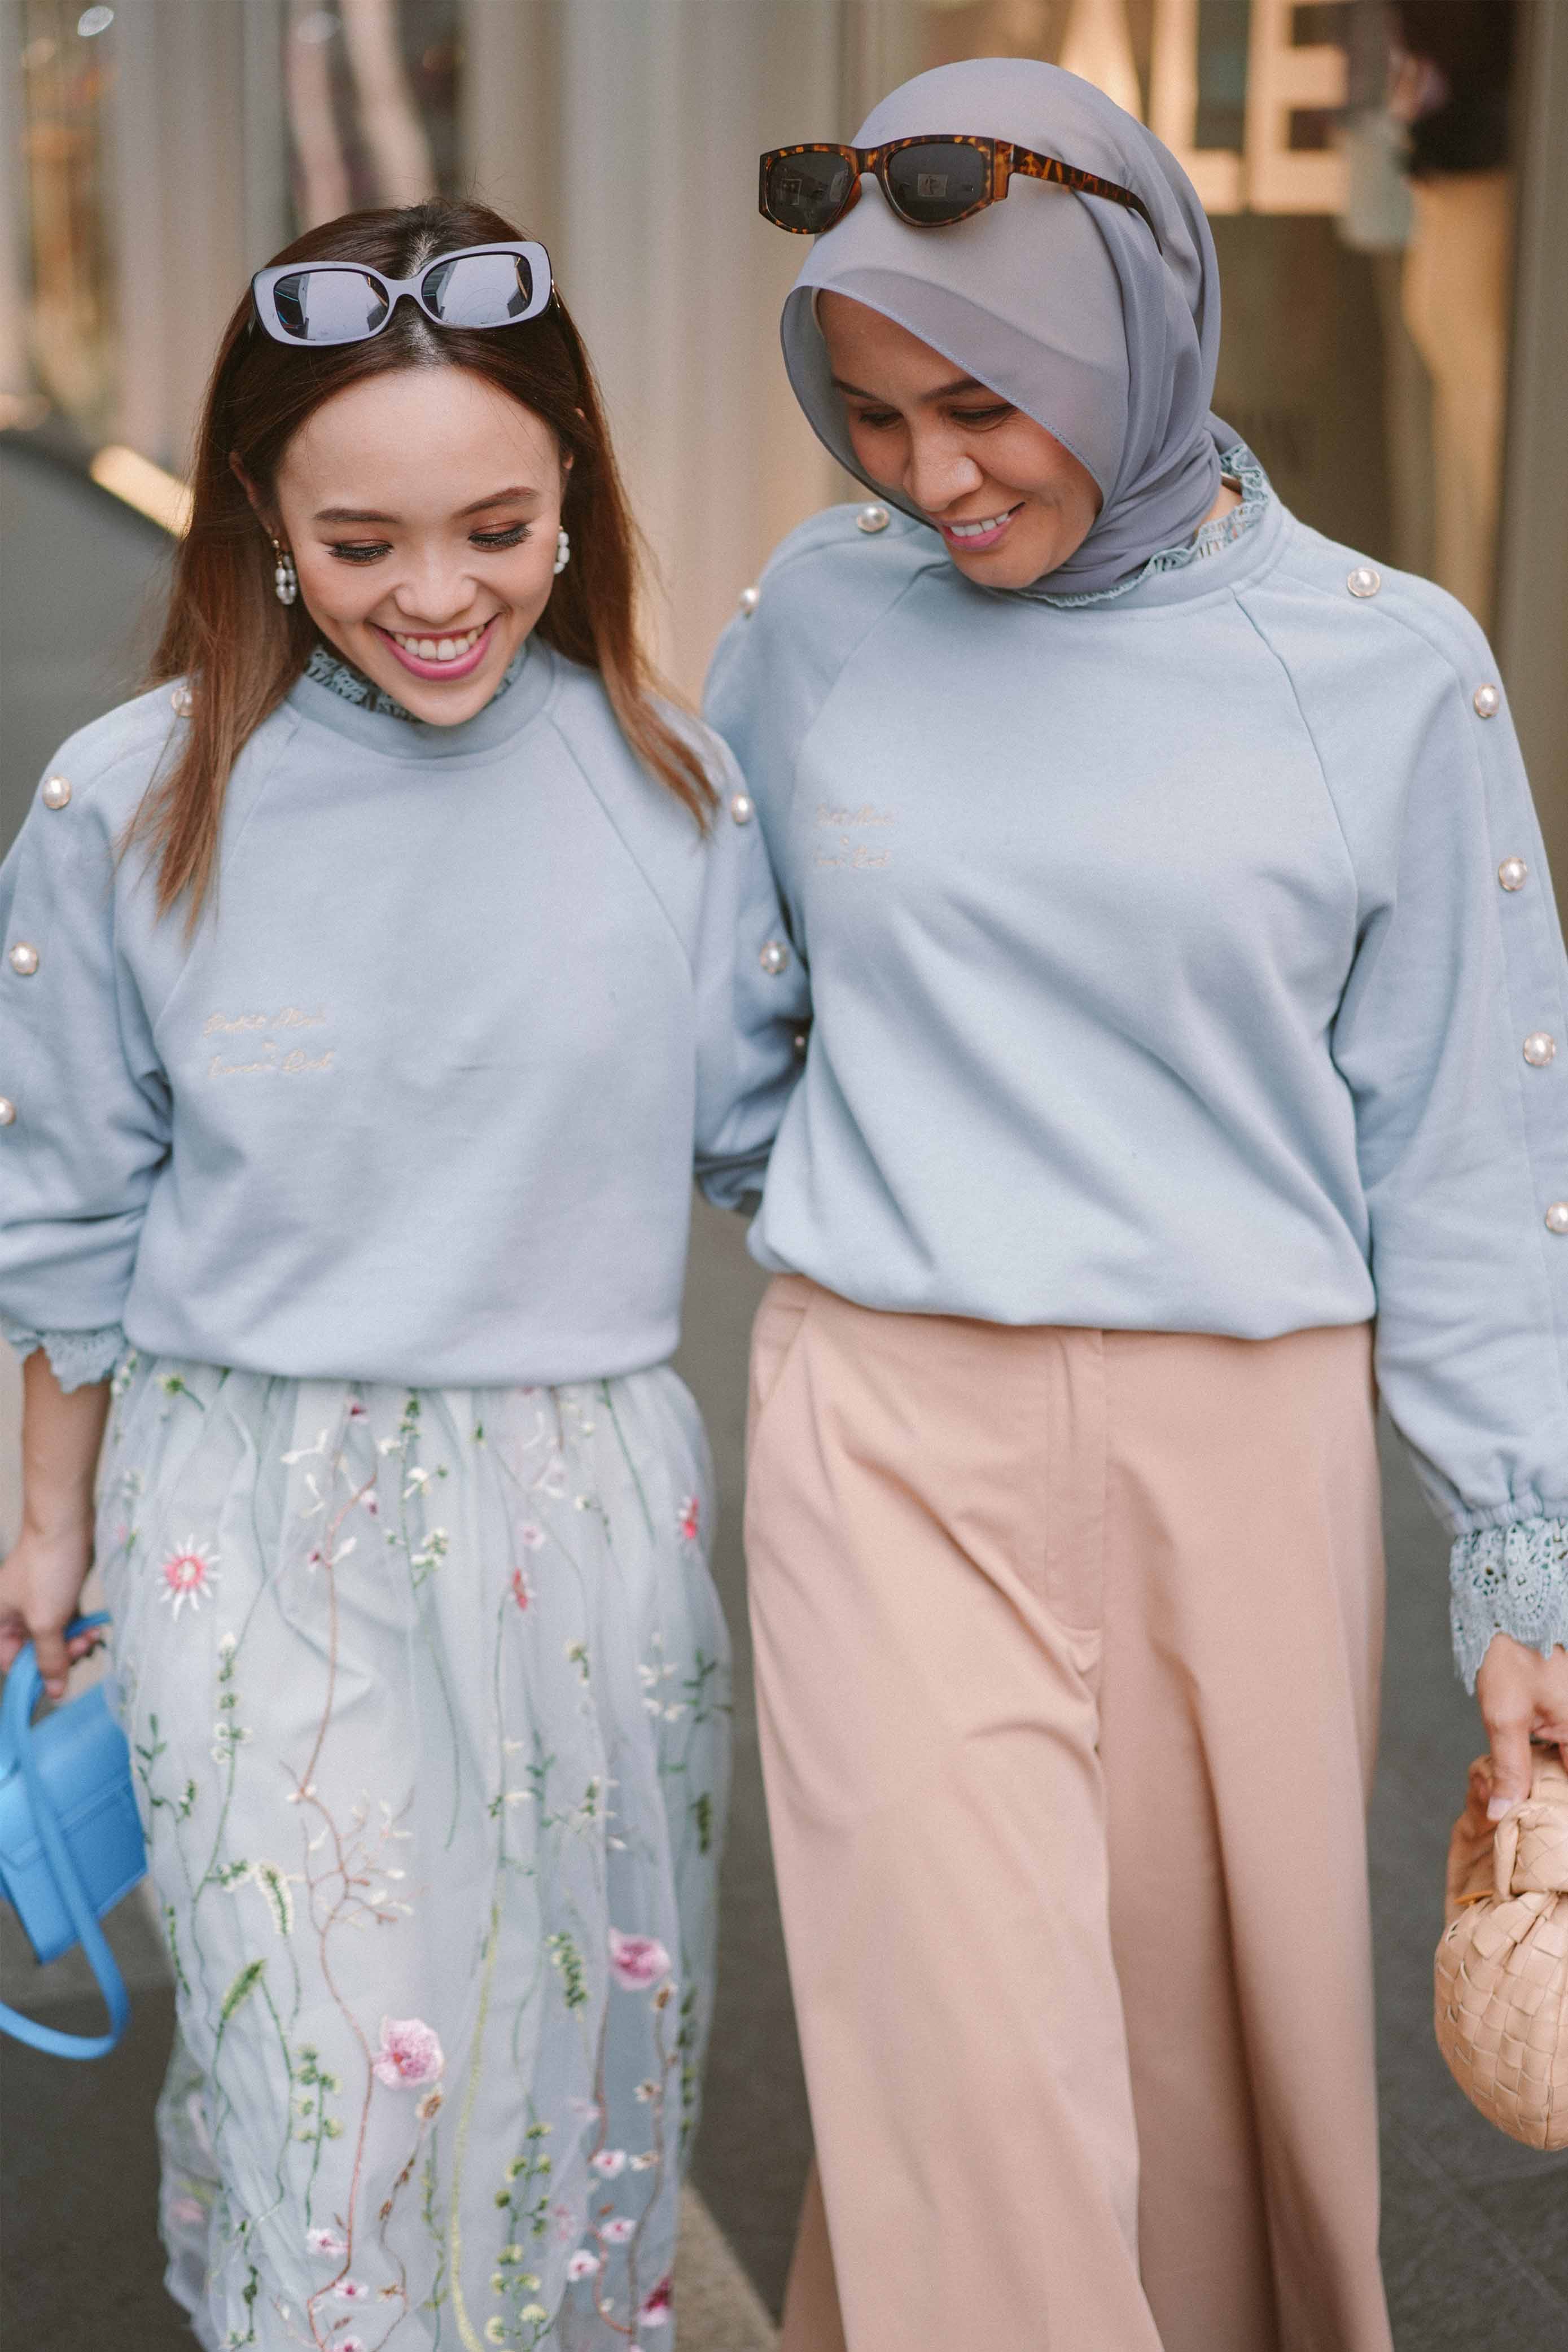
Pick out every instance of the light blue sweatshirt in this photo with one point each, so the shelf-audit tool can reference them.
(1183, 958)
(421, 1098)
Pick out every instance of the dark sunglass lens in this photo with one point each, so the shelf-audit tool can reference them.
(329, 306)
(479, 290)
(937, 182)
(807, 190)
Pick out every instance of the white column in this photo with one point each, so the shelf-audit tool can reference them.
(509, 97)
(264, 132)
(178, 115)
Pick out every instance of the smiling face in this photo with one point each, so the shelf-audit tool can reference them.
(421, 509)
(1010, 502)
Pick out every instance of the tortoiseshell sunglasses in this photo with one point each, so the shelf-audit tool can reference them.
(930, 182)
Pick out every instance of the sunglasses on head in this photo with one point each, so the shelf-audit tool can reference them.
(317, 302)
(930, 182)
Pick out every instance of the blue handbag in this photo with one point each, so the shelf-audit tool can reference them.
(71, 1840)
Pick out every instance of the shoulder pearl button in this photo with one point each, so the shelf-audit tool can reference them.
(24, 959)
(1363, 581)
(742, 808)
(775, 958)
(7, 1112)
(1488, 701)
(749, 599)
(57, 793)
(872, 519)
(1513, 873)
(1557, 1217)
(181, 701)
(1539, 1049)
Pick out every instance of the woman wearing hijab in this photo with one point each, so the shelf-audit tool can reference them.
(1186, 981)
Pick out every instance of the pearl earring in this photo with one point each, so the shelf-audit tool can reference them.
(284, 579)
(563, 552)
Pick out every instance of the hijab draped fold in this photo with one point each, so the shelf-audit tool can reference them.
(1061, 303)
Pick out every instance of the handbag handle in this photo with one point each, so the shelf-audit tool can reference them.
(23, 1686)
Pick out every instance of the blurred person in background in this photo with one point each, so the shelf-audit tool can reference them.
(1187, 990)
(373, 983)
(1450, 84)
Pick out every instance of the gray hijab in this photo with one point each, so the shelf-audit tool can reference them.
(1061, 303)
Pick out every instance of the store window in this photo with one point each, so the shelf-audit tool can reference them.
(217, 129)
(1355, 158)
(371, 97)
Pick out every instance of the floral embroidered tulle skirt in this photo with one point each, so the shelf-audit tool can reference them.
(427, 1694)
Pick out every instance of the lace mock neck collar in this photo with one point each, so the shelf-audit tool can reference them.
(1238, 465)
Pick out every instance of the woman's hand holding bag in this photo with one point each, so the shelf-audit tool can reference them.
(1501, 1969)
(71, 1840)
(1522, 1697)
(40, 1584)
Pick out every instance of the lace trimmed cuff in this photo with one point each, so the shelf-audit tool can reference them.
(76, 1357)
(1513, 1581)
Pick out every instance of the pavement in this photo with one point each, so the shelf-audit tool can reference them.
(1475, 2229)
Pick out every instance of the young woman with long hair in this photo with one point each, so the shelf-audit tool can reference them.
(1188, 992)
(373, 984)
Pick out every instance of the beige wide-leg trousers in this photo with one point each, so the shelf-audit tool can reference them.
(1067, 1657)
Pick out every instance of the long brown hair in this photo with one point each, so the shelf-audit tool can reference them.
(241, 650)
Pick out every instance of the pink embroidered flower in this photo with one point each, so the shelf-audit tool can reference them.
(691, 1516)
(189, 1575)
(348, 2344)
(658, 2310)
(609, 2162)
(532, 1535)
(354, 2290)
(520, 1588)
(637, 1961)
(186, 2211)
(582, 2264)
(325, 2241)
(409, 2054)
(617, 2231)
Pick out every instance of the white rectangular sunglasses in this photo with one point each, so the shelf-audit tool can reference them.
(317, 302)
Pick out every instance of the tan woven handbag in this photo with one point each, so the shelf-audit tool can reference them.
(1503, 1961)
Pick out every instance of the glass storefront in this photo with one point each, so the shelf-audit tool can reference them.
(316, 112)
(370, 92)
(1356, 159)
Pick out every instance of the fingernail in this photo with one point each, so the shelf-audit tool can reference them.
(1499, 1807)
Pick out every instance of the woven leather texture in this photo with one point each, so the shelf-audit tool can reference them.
(1501, 1971)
